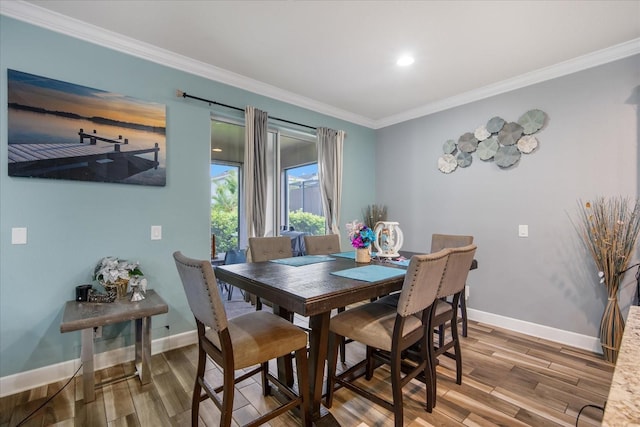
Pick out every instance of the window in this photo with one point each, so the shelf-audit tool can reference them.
(293, 193)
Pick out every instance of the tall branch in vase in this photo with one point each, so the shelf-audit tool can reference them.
(609, 229)
(374, 213)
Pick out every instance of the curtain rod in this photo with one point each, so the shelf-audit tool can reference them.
(182, 94)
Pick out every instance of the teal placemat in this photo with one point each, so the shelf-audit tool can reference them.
(349, 254)
(402, 263)
(297, 261)
(370, 273)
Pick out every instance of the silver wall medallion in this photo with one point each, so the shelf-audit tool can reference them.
(507, 156)
(488, 148)
(449, 147)
(510, 133)
(495, 124)
(532, 121)
(463, 159)
(527, 144)
(467, 143)
(447, 163)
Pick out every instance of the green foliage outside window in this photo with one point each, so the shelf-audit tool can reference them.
(306, 222)
(224, 213)
(224, 225)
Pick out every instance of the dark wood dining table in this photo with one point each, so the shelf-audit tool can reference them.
(309, 290)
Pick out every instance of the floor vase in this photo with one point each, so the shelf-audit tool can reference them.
(612, 325)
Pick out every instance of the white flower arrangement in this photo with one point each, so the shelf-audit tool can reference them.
(111, 270)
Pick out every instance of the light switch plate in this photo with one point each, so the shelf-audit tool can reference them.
(156, 232)
(19, 236)
(523, 231)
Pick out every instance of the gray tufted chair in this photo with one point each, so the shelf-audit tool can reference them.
(387, 331)
(237, 344)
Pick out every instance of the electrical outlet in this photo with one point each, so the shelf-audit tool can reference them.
(523, 230)
(156, 232)
(97, 332)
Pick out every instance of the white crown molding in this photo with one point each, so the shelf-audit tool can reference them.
(603, 56)
(41, 17)
(72, 27)
(28, 380)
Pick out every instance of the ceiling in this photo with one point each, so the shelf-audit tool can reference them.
(338, 57)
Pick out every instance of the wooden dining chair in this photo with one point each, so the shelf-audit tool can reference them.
(239, 343)
(442, 241)
(387, 332)
(268, 248)
(443, 313)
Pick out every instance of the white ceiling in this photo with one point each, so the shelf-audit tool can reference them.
(338, 57)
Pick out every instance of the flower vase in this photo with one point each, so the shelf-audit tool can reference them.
(120, 287)
(363, 255)
(612, 324)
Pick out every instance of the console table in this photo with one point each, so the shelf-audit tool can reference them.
(623, 404)
(84, 316)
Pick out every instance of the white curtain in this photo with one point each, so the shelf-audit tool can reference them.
(255, 171)
(330, 143)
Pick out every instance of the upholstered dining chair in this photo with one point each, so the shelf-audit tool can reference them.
(387, 331)
(322, 244)
(239, 343)
(441, 241)
(444, 313)
(268, 248)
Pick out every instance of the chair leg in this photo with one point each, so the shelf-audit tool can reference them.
(332, 360)
(227, 396)
(230, 293)
(396, 388)
(197, 388)
(463, 314)
(429, 379)
(266, 387)
(303, 386)
(432, 358)
(370, 364)
(456, 343)
(343, 347)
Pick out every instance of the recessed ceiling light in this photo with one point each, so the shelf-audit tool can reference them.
(217, 150)
(405, 61)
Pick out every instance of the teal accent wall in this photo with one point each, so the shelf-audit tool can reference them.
(72, 224)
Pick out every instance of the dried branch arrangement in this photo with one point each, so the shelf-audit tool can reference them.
(374, 213)
(609, 229)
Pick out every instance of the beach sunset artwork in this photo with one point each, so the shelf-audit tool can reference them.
(61, 130)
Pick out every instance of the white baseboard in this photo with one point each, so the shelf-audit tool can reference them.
(27, 380)
(48, 374)
(572, 339)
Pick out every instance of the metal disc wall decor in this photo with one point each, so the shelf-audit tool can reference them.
(510, 134)
(502, 142)
(532, 121)
(449, 146)
(488, 148)
(495, 124)
(463, 159)
(482, 133)
(507, 155)
(467, 143)
(527, 144)
(447, 163)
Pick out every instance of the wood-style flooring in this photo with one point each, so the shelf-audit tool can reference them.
(509, 379)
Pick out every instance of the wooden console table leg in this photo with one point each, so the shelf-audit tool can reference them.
(143, 349)
(86, 356)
